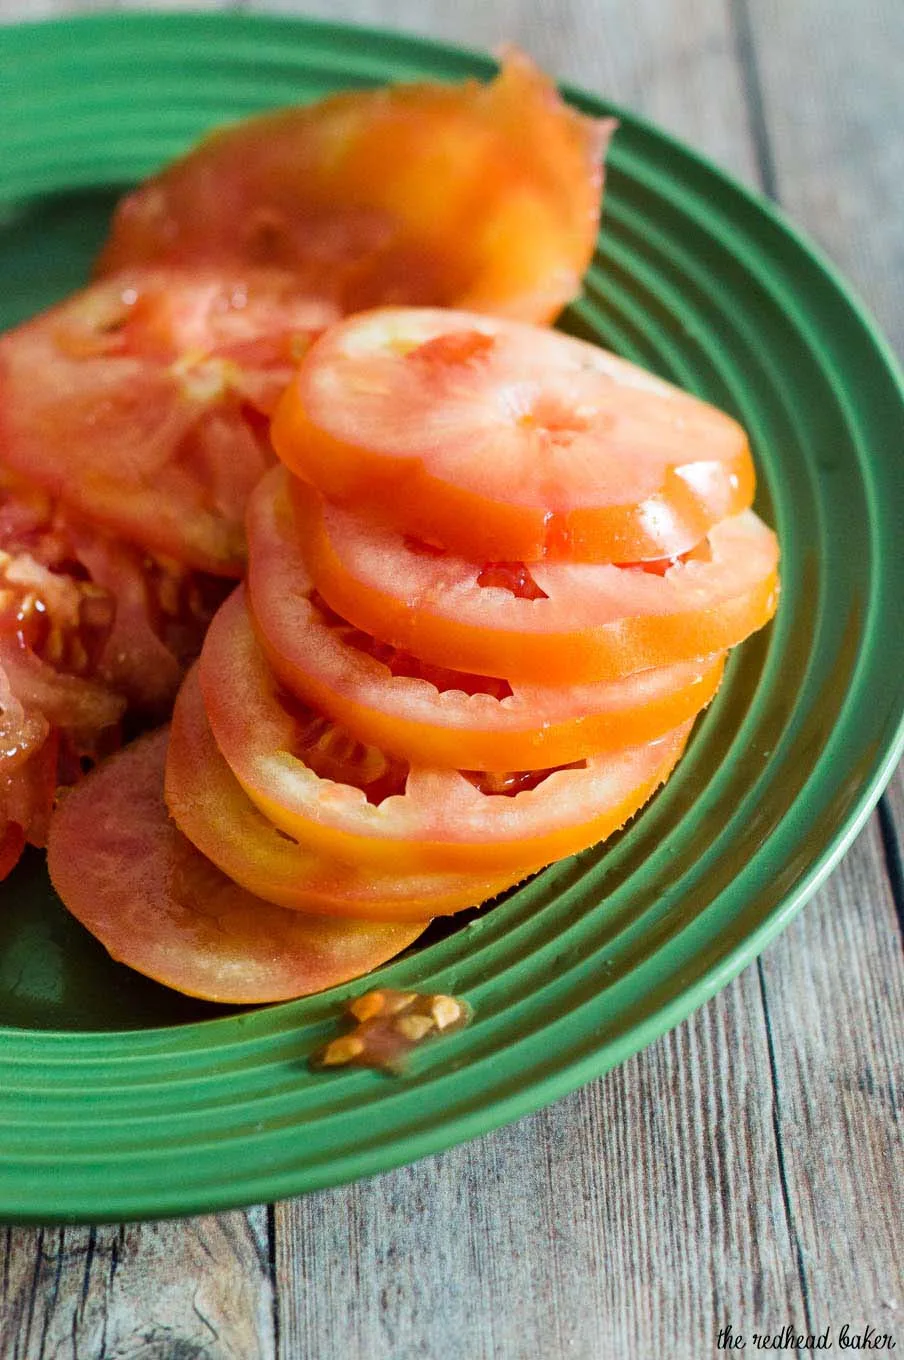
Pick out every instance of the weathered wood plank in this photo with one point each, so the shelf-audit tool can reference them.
(631, 1219)
(193, 1288)
(831, 104)
(835, 998)
(833, 100)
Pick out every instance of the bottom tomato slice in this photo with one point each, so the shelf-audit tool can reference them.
(333, 794)
(211, 808)
(428, 713)
(157, 904)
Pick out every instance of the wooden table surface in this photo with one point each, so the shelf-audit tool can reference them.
(745, 1170)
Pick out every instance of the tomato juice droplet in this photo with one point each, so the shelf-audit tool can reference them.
(513, 577)
(513, 782)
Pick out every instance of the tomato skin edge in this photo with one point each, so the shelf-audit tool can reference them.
(440, 823)
(609, 652)
(399, 493)
(205, 798)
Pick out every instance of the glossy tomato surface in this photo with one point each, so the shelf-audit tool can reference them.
(563, 623)
(431, 714)
(509, 442)
(141, 403)
(483, 196)
(129, 875)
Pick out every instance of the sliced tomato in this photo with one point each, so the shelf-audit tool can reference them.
(552, 623)
(155, 903)
(91, 606)
(507, 442)
(211, 808)
(26, 800)
(140, 403)
(471, 195)
(430, 714)
(22, 730)
(334, 795)
(88, 625)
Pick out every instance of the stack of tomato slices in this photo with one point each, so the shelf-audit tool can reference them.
(134, 414)
(489, 590)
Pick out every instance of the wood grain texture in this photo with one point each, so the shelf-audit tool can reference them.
(834, 990)
(833, 104)
(187, 1290)
(626, 1220)
(746, 1168)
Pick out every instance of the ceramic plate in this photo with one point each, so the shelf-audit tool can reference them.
(119, 1099)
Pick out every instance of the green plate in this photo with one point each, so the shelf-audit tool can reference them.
(120, 1100)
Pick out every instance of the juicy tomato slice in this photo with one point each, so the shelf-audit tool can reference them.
(471, 195)
(94, 609)
(432, 715)
(155, 903)
(211, 808)
(140, 402)
(506, 442)
(26, 800)
(365, 808)
(551, 623)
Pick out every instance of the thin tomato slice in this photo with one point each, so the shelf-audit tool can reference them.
(470, 195)
(155, 903)
(551, 623)
(432, 715)
(211, 808)
(506, 442)
(140, 403)
(333, 795)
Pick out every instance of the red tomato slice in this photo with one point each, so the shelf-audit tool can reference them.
(429, 714)
(91, 606)
(138, 403)
(26, 798)
(328, 792)
(155, 903)
(22, 731)
(557, 623)
(87, 625)
(478, 196)
(210, 807)
(505, 442)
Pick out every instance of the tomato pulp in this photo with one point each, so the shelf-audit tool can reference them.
(430, 714)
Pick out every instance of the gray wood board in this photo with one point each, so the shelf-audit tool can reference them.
(747, 1167)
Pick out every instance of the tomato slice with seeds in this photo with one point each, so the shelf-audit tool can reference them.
(471, 195)
(552, 623)
(419, 819)
(428, 713)
(140, 402)
(128, 874)
(502, 441)
(26, 800)
(211, 808)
